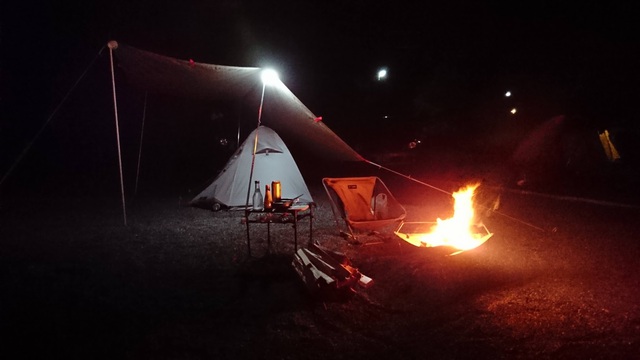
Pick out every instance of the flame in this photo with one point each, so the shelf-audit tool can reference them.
(457, 231)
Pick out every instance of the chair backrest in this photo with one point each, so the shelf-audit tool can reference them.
(363, 202)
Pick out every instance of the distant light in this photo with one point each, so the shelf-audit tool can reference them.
(507, 94)
(269, 77)
(513, 111)
(382, 74)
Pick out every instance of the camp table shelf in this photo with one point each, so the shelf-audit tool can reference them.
(290, 215)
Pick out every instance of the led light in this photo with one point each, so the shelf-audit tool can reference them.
(269, 77)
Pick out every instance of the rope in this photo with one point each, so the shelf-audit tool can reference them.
(408, 177)
(518, 220)
(449, 193)
(55, 111)
(144, 115)
(575, 199)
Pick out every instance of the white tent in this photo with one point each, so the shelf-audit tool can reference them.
(273, 162)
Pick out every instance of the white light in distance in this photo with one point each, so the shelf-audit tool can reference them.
(382, 73)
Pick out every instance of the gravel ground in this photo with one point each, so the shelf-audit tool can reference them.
(558, 279)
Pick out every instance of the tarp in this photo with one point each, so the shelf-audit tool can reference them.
(282, 111)
(273, 162)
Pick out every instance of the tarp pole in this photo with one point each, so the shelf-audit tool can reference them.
(144, 116)
(253, 162)
(239, 115)
(114, 45)
(255, 143)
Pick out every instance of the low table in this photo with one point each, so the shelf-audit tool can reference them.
(289, 215)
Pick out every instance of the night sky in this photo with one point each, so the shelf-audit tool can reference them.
(449, 66)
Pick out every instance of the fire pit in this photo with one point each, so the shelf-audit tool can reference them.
(461, 232)
(421, 234)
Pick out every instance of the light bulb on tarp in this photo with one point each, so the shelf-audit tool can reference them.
(269, 77)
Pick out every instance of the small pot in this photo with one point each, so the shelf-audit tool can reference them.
(283, 204)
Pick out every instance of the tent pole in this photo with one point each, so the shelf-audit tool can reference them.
(114, 45)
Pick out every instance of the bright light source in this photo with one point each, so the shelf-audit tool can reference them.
(269, 77)
(382, 73)
(507, 94)
(513, 111)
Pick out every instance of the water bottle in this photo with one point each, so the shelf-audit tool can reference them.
(258, 200)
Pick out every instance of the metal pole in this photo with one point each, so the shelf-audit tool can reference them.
(255, 145)
(114, 45)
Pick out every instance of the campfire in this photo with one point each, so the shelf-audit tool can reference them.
(461, 232)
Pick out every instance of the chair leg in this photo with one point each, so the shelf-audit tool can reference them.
(347, 235)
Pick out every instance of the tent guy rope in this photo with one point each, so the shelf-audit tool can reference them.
(407, 177)
(449, 193)
(49, 119)
(144, 116)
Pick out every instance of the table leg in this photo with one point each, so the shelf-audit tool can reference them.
(268, 237)
(248, 236)
(310, 225)
(295, 231)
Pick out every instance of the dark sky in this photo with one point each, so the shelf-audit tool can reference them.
(325, 47)
(448, 63)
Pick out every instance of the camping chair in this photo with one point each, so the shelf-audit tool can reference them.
(364, 203)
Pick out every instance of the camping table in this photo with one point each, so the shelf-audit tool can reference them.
(290, 215)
